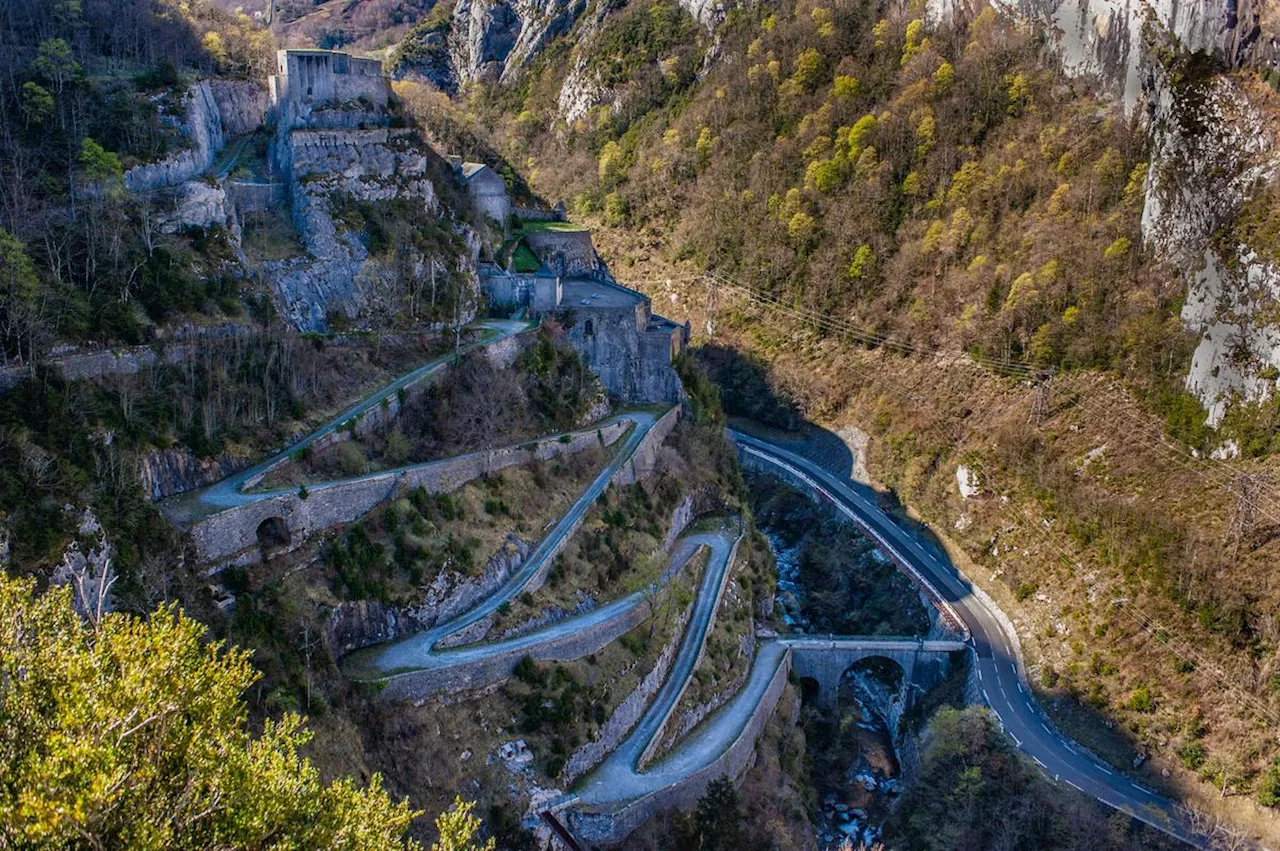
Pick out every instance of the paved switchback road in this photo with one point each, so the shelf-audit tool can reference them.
(231, 491)
(997, 661)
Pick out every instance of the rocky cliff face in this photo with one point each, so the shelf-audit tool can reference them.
(340, 276)
(492, 40)
(202, 125)
(165, 472)
(1213, 150)
(353, 625)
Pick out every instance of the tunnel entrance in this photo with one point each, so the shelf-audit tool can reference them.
(272, 533)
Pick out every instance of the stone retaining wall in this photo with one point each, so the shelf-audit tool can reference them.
(501, 353)
(417, 685)
(228, 532)
(656, 742)
(684, 793)
(645, 458)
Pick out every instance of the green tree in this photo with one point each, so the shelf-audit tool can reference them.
(718, 817)
(130, 733)
(55, 63)
(19, 305)
(458, 828)
(97, 162)
(863, 264)
(37, 104)
(611, 165)
(808, 70)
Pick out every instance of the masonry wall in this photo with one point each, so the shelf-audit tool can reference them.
(632, 365)
(567, 253)
(228, 532)
(684, 794)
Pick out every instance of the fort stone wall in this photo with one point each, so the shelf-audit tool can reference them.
(223, 535)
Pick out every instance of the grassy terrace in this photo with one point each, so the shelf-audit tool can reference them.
(556, 227)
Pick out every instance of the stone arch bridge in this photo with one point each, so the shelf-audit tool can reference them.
(825, 659)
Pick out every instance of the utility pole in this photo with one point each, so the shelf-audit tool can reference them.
(1043, 399)
(713, 303)
(1247, 487)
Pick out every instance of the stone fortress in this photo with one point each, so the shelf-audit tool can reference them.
(332, 135)
(630, 347)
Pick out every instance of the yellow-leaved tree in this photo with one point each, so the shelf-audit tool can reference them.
(130, 733)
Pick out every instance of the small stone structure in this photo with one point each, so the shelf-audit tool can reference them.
(488, 192)
(631, 348)
(825, 659)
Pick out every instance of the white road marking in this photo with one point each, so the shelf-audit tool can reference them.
(1016, 740)
(1105, 771)
(1039, 763)
(986, 697)
(1074, 786)
(1136, 786)
(979, 672)
(1045, 727)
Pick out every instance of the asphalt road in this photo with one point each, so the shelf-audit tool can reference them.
(230, 491)
(997, 663)
(617, 779)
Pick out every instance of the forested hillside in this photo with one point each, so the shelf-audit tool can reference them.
(852, 174)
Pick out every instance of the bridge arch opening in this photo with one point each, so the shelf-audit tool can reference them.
(273, 532)
(810, 689)
(875, 671)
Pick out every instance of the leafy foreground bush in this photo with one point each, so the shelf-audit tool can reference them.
(130, 733)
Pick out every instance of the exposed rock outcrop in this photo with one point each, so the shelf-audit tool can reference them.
(202, 126)
(340, 276)
(165, 472)
(353, 625)
(493, 40)
(1212, 150)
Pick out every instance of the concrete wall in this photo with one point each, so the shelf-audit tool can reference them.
(223, 535)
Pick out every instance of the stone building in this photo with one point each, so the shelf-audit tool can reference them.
(631, 348)
(310, 80)
(488, 192)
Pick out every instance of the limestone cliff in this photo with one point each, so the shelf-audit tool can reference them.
(494, 40)
(340, 276)
(201, 125)
(1212, 150)
(1187, 70)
